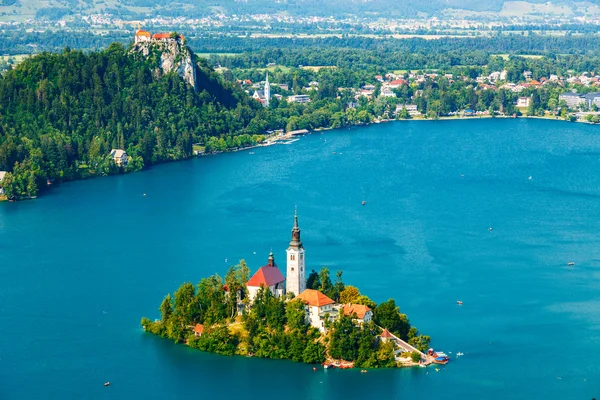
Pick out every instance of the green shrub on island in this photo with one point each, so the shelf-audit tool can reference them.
(277, 328)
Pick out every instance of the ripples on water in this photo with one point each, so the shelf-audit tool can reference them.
(82, 264)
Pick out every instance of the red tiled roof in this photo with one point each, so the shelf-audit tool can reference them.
(266, 276)
(143, 33)
(398, 82)
(199, 328)
(315, 298)
(358, 309)
(161, 36)
(386, 334)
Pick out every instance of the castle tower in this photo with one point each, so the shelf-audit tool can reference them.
(296, 263)
(267, 91)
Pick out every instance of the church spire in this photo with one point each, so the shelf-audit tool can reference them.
(271, 260)
(296, 242)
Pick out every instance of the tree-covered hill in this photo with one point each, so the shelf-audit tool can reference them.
(61, 114)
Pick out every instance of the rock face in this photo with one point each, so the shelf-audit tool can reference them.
(170, 55)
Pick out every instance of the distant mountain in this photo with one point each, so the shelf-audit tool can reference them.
(132, 9)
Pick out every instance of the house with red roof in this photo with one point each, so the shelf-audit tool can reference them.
(268, 276)
(360, 312)
(318, 308)
(198, 330)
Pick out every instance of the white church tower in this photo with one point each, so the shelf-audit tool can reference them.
(267, 91)
(296, 268)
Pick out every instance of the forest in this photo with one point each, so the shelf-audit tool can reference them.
(61, 114)
(276, 327)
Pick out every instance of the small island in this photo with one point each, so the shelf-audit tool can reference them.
(310, 320)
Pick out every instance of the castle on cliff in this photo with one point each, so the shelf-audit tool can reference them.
(142, 36)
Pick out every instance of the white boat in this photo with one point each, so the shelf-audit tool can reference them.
(571, 263)
(459, 354)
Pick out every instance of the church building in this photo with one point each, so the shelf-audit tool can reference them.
(271, 277)
(268, 276)
(263, 96)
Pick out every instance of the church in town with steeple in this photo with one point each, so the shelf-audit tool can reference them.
(263, 96)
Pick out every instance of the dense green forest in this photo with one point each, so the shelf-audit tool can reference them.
(61, 114)
(276, 327)
(460, 49)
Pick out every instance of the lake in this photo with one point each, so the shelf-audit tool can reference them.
(83, 263)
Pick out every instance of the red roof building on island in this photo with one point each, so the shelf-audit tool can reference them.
(198, 330)
(315, 298)
(267, 276)
(387, 335)
(358, 309)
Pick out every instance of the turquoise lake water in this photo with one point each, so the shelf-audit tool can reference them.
(82, 264)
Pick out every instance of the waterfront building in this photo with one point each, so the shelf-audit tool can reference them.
(198, 330)
(523, 101)
(2, 174)
(119, 156)
(268, 276)
(296, 262)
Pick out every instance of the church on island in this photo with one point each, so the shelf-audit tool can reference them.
(318, 306)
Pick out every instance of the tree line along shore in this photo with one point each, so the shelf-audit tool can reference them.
(61, 115)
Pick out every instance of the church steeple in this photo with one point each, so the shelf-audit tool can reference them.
(267, 91)
(296, 242)
(295, 281)
(271, 260)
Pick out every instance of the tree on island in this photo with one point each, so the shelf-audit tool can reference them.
(277, 327)
(387, 315)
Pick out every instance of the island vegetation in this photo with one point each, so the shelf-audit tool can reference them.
(272, 327)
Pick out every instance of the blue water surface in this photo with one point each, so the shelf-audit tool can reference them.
(82, 264)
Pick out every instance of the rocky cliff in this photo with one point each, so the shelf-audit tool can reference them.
(169, 55)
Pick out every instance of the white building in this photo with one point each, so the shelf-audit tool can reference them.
(411, 108)
(318, 307)
(263, 96)
(523, 101)
(385, 92)
(573, 100)
(119, 156)
(2, 174)
(267, 91)
(299, 98)
(268, 276)
(296, 262)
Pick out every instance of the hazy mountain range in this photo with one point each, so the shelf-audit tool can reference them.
(131, 9)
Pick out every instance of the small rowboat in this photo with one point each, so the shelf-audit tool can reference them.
(106, 383)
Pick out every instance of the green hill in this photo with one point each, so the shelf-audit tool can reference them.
(61, 114)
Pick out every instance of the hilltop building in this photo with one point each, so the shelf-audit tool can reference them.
(145, 36)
